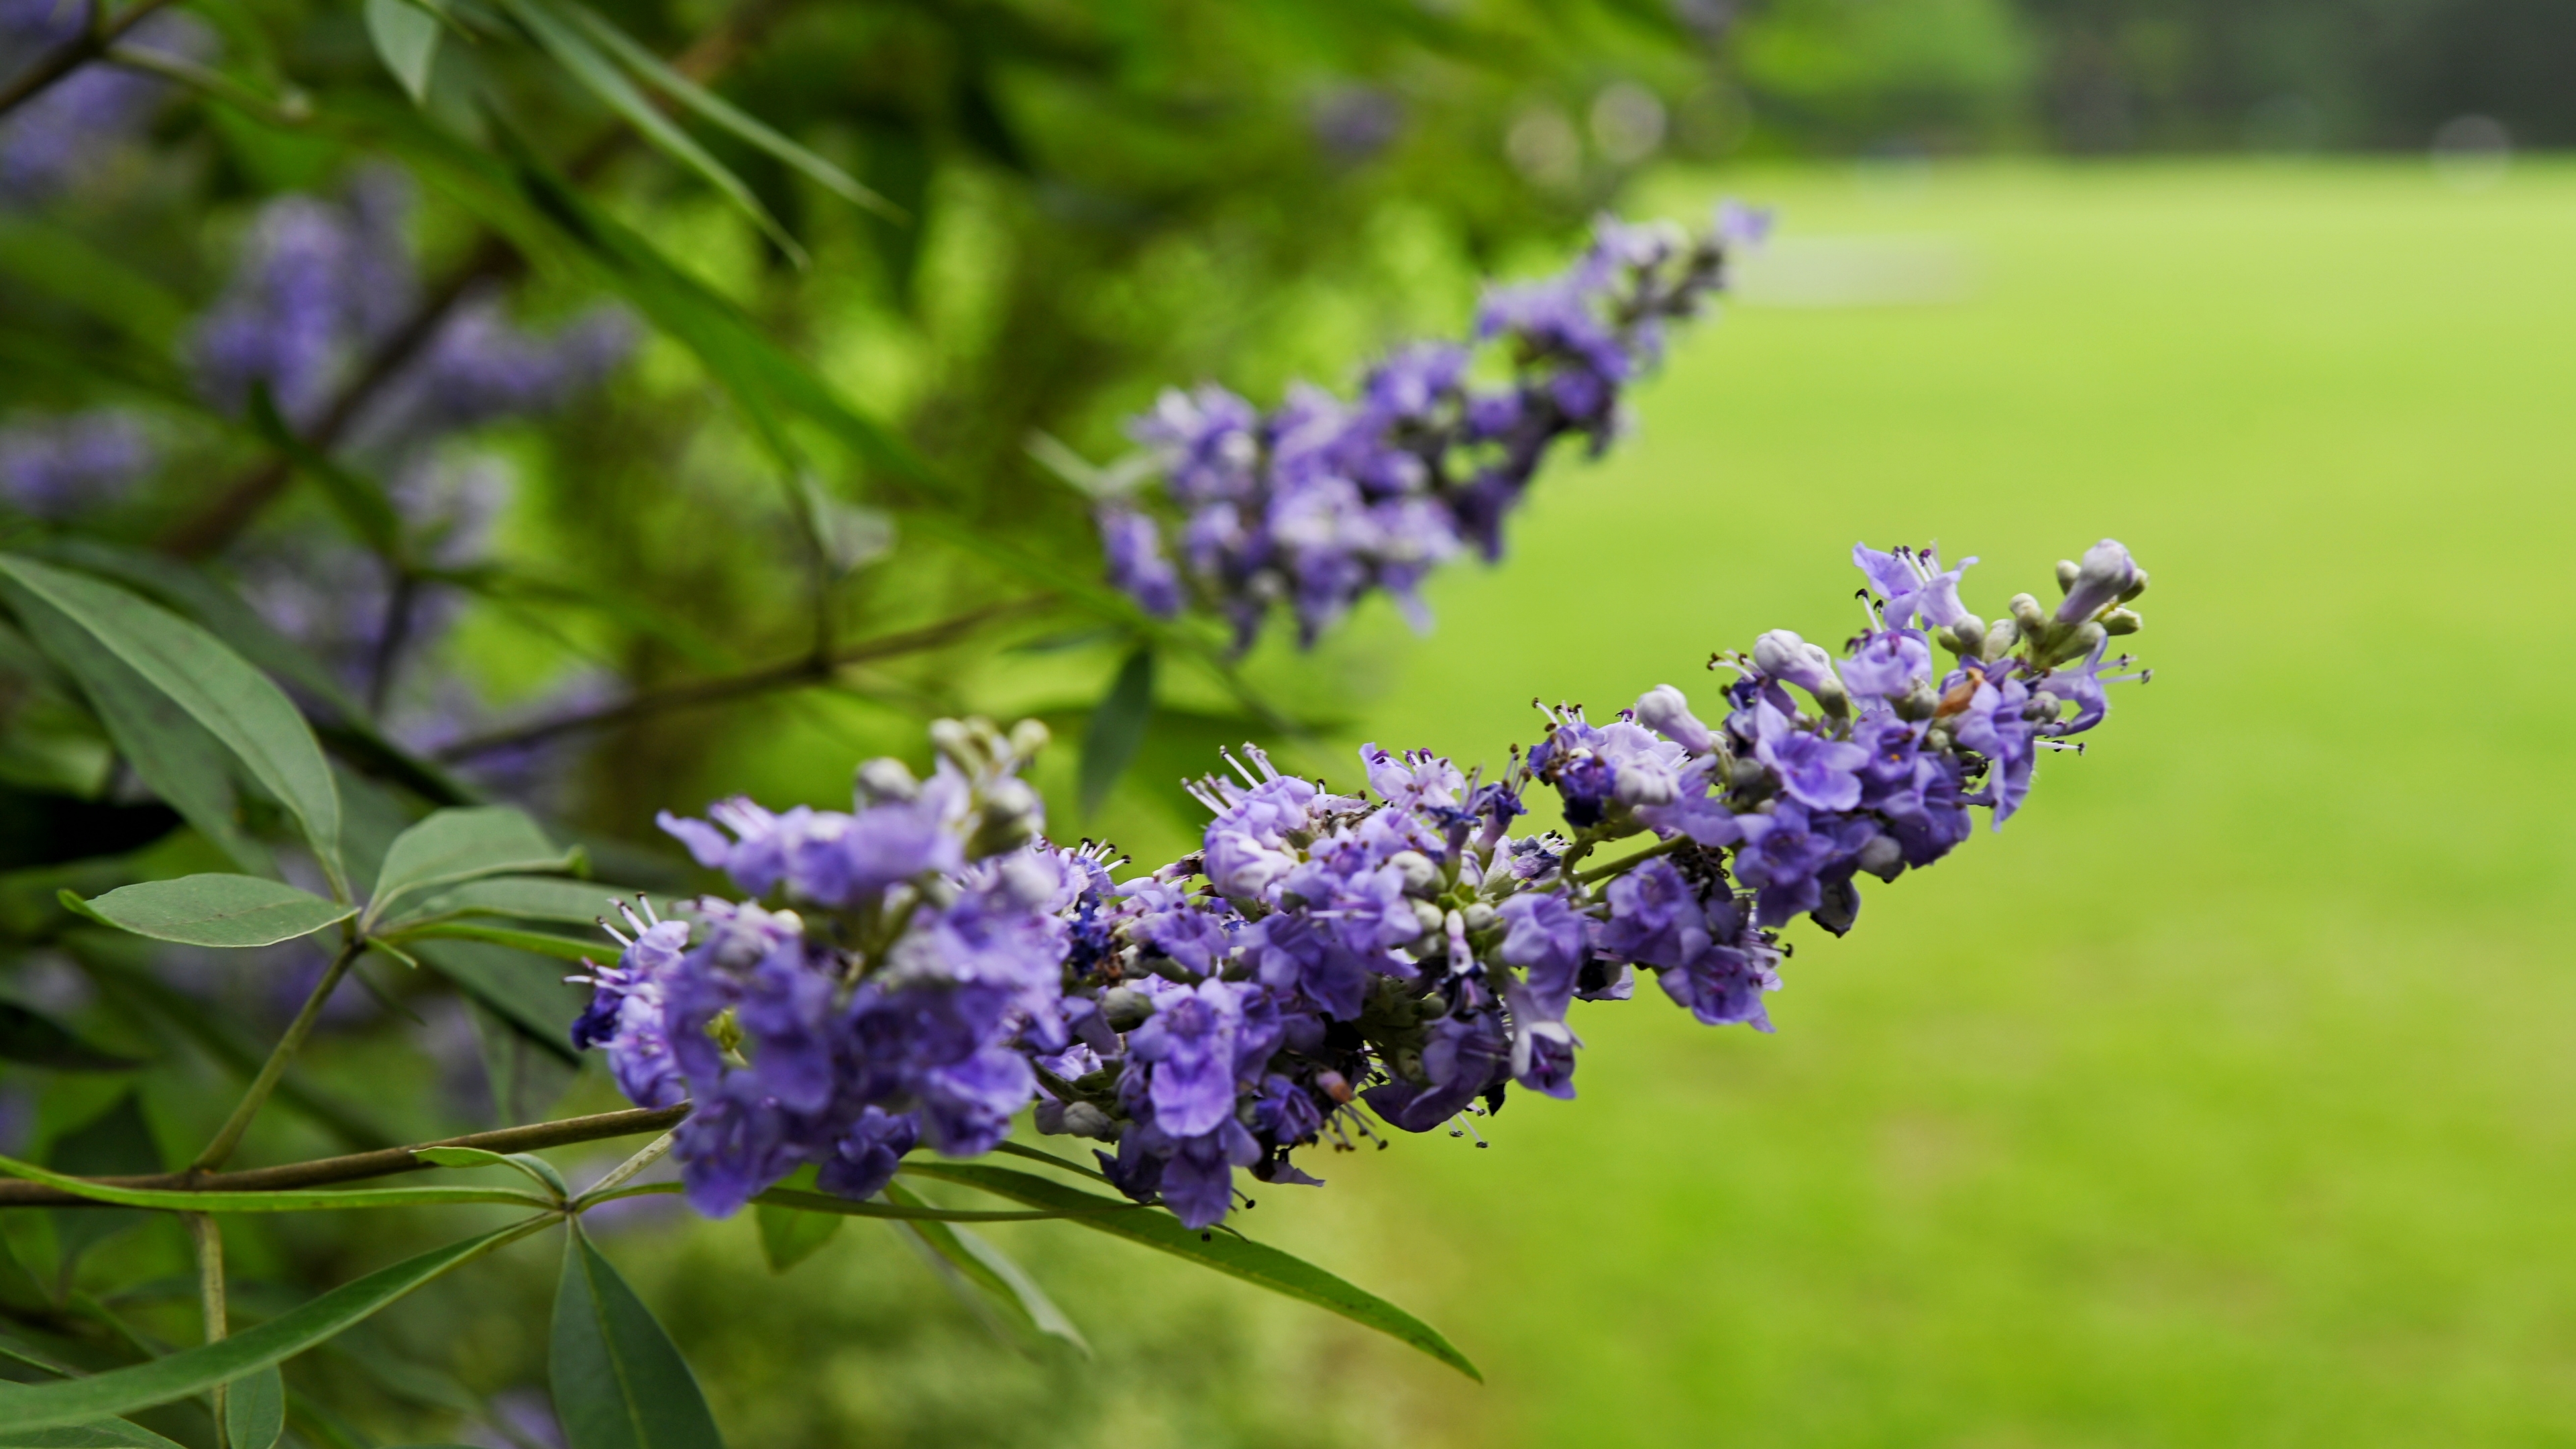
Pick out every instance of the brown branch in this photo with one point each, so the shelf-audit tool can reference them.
(324, 1171)
(794, 674)
(72, 54)
(241, 500)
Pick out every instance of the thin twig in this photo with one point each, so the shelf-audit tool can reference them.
(793, 674)
(256, 1096)
(72, 54)
(324, 1171)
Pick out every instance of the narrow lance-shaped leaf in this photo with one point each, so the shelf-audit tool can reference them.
(601, 77)
(191, 1371)
(406, 39)
(561, 947)
(284, 1200)
(102, 1434)
(528, 990)
(37, 1040)
(213, 910)
(1117, 728)
(168, 750)
(985, 1270)
(235, 702)
(1252, 1262)
(723, 113)
(619, 1383)
(255, 1410)
(521, 897)
(463, 844)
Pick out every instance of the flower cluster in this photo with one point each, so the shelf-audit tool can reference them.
(51, 466)
(321, 283)
(1322, 500)
(60, 135)
(1325, 961)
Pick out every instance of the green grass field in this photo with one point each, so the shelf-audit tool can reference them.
(2227, 1097)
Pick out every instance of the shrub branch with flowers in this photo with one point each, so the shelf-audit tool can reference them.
(235, 744)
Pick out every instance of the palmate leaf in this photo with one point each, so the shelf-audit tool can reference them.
(233, 701)
(1252, 1262)
(195, 1370)
(461, 845)
(618, 1381)
(213, 910)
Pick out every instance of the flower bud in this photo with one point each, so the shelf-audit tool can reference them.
(1478, 916)
(955, 743)
(1028, 737)
(1430, 917)
(1966, 637)
(2067, 569)
(1919, 703)
(2135, 589)
(1666, 711)
(1125, 1007)
(2028, 614)
(1882, 857)
(886, 779)
(2107, 575)
(1785, 656)
(2122, 621)
(2000, 638)
(1420, 875)
(2075, 643)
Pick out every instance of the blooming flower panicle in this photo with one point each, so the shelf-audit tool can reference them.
(1324, 965)
(1321, 502)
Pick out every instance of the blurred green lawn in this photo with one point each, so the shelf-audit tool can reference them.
(2227, 1097)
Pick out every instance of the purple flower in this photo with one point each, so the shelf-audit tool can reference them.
(1914, 583)
(1463, 1057)
(53, 467)
(1813, 770)
(1666, 711)
(1784, 851)
(1546, 938)
(1888, 664)
(1137, 563)
(1188, 1045)
(2105, 575)
(1656, 918)
(865, 1158)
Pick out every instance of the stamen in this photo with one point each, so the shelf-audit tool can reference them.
(612, 932)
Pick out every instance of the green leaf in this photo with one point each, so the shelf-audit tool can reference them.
(53, 263)
(523, 897)
(722, 112)
(358, 501)
(1002, 1283)
(529, 991)
(255, 1410)
(1117, 728)
(213, 910)
(195, 1370)
(1252, 1262)
(527, 1072)
(180, 759)
(827, 1203)
(462, 844)
(561, 947)
(103, 1434)
(296, 1200)
(406, 38)
(38, 1040)
(234, 701)
(116, 1142)
(618, 1381)
(789, 1237)
(536, 1168)
(601, 77)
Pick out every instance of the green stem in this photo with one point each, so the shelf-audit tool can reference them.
(297, 1030)
(1631, 862)
(210, 1288)
(645, 1156)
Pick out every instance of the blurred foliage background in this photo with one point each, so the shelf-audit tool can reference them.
(2221, 1102)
